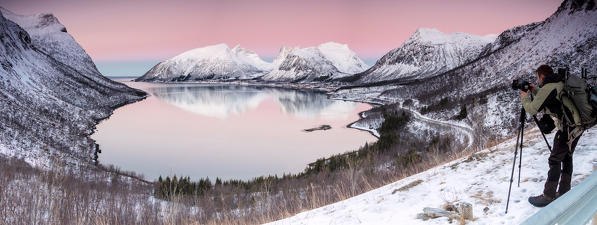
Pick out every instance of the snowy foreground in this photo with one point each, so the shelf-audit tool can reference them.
(481, 179)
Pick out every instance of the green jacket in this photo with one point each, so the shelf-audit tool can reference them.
(548, 98)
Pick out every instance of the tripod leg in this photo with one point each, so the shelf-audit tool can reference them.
(520, 161)
(546, 142)
(513, 165)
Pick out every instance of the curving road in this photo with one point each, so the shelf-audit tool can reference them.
(468, 131)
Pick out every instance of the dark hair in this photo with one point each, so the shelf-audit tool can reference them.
(545, 70)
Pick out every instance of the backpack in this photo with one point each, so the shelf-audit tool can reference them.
(593, 99)
(582, 95)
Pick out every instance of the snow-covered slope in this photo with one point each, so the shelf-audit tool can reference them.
(215, 62)
(325, 62)
(51, 94)
(426, 53)
(481, 179)
(51, 37)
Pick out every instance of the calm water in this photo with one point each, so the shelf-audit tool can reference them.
(235, 132)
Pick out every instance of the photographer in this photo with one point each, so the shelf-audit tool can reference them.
(549, 97)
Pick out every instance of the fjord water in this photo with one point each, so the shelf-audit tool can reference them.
(226, 131)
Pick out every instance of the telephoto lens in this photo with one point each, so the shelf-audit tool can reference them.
(520, 84)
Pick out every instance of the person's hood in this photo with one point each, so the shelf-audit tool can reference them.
(554, 78)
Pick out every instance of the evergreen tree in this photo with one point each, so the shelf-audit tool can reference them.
(174, 185)
(167, 187)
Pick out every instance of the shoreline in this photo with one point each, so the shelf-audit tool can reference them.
(327, 91)
(297, 86)
(95, 147)
(370, 131)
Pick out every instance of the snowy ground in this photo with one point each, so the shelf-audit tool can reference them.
(481, 179)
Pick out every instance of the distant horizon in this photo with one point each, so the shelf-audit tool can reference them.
(141, 30)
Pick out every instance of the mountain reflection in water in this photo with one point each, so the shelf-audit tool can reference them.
(237, 132)
(223, 101)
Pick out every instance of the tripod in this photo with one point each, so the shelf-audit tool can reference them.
(520, 137)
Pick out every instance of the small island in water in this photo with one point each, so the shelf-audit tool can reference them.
(322, 127)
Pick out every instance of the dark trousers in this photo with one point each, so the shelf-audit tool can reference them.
(560, 165)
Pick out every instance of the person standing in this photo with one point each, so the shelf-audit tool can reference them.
(549, 97)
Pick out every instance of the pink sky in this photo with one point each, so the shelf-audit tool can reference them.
(153, 29)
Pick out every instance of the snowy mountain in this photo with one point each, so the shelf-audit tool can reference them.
(482, 85)
(215, 62)
(480, 179)
(325, 62)
(426, 53)
(51, 94)
(51, 37)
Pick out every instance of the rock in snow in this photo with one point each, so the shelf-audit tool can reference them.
(51, 94)
(432, 213)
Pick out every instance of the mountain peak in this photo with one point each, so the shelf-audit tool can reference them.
(221, 51)
(240, 50)
(576, 5)
(237, 48)
(427, 34)
(326, 61)
(331, 44)
(344, 59)
(50, 36)
(209, 62)
(284, 51)
(426, 53)
(37, 23)
(434, 36)
(428, 31)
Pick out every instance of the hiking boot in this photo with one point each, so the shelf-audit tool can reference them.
(558, 194)
(540, 201)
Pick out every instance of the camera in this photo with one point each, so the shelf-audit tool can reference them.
(520, 84)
